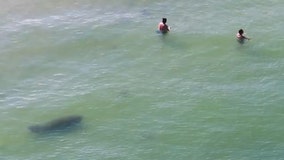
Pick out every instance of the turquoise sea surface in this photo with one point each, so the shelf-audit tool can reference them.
(192, 94)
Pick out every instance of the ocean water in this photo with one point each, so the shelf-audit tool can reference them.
(195, 93)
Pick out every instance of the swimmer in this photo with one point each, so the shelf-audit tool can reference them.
(241, 37)
(163, 27)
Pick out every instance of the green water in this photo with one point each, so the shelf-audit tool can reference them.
(195, 93)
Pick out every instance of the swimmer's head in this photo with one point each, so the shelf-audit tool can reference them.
(241, 31)
(164, 20)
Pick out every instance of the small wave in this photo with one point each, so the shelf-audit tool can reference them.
(68, 20)
(33, 22)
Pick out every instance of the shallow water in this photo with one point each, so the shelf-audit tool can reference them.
(194, 93)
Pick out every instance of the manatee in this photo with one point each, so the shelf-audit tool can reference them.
(56, 124)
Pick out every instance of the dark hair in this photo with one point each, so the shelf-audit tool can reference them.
(164, 20)
(241, 31)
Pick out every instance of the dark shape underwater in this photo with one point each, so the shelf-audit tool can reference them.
(59, 124)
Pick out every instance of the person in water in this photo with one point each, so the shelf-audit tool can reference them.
(240, 36)
(163, 27)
